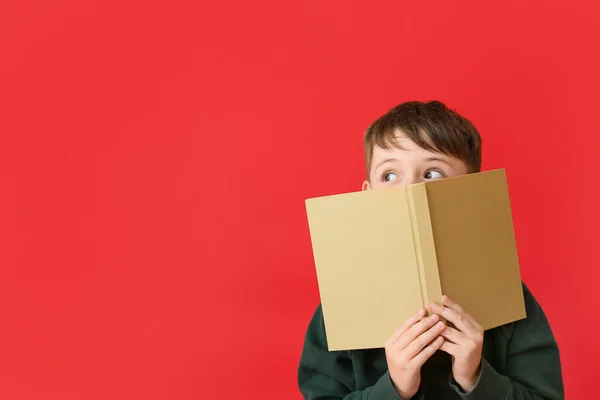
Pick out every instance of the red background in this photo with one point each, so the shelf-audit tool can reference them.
(155, 156)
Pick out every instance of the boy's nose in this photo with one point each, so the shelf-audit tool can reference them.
(409, 180)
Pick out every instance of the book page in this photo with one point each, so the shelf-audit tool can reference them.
(366, 265)
(475, 246)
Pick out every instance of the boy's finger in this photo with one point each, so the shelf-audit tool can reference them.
(427, 352)
(407, 324)
(459, 320)
(454, 336)
(417, 345)
(448, 302)
(414, 331)
(450, 348)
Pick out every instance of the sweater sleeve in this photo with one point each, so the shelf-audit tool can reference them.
(533, 369)
(329, 375)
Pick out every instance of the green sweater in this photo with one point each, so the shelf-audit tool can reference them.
(520, 362)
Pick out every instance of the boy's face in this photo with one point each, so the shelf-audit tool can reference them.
(409, 164)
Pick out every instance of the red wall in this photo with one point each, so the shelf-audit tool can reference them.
(155, 156)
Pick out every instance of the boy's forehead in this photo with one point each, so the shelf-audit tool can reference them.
(399, 142)
(406, 151)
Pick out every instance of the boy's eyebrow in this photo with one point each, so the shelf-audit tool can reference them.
(438, 159)
(387, 160)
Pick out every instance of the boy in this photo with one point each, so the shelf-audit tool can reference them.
(426, 358)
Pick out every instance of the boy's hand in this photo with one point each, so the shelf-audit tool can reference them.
(464, 343)
(408, 349)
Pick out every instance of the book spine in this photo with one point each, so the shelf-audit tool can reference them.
(431, 289)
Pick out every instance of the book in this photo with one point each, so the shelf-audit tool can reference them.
(382, 255)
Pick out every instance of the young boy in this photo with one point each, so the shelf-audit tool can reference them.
(427, 358)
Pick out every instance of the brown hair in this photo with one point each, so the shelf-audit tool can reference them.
(432, 126)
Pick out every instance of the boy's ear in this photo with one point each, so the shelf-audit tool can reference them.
(366, 186)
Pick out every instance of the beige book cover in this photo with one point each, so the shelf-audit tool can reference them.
(381, 255)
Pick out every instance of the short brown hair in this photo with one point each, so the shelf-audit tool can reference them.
(432, 126)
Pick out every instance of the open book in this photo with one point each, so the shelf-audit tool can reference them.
(382, 255)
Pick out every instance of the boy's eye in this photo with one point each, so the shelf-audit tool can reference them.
(433, 174)
(389, 177)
